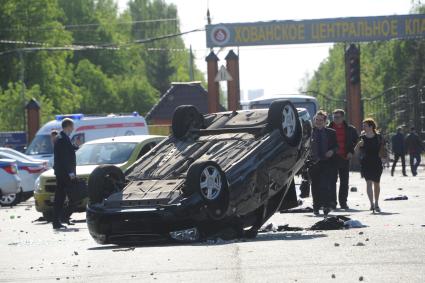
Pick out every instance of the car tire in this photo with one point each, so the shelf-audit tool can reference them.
(283, 115)
(10, 200)
(186, 117)
(207, 179)
(103, 181)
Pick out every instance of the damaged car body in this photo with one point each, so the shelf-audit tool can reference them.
(220, 171)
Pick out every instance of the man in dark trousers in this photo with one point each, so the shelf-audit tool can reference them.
(323, 150)
(397, 143)
(414, 147)
(65, 170)
(347, 137)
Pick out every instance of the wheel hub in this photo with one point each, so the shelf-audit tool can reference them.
(8, 199)
(288, 121)
(210, 182)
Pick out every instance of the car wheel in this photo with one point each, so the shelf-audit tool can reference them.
(184, 118)
(207, 179)
(104, 181)
(10, 200)
(283, 115)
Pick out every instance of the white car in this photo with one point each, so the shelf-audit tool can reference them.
(10, 183)
(28, 172)
(19, 154)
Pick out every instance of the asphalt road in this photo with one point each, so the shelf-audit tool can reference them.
(390, 249)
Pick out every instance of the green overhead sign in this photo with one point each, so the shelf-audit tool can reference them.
(316, 31)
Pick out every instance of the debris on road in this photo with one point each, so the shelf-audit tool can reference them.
(124, 249)
(298, 210)
(354, 224)
(216, 241)
(272, 228)
(286, 227)
(399, 197)
(268, 228)
(334, 223)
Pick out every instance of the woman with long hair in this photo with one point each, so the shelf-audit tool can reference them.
(372, 149)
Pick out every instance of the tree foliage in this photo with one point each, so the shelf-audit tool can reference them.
(127, 79)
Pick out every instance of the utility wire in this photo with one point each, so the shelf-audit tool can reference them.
(148, 40)
(21, 42)
(110, 46)
(90, 25)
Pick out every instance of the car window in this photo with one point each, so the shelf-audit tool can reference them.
(104, 153)
(41, 144)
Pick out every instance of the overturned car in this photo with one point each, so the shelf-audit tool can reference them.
(216, 172)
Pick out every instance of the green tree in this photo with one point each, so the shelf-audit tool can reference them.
(98, 91)
(12, 114)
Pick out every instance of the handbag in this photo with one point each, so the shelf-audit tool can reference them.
(383, 153)
(77, 191)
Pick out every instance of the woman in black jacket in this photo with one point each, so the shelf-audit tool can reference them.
(372, 148)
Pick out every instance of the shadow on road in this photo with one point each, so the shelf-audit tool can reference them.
(269, 236)
(67, 230)
(385, 213)
(286, 236)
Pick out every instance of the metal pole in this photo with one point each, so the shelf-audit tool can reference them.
(22, 79)
(191, 76)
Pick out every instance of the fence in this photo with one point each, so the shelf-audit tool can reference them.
(397, 106)
(326, 102)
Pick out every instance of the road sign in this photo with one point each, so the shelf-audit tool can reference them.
(356, 29)
(15, 140)
(223, 75)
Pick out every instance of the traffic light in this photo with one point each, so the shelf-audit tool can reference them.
(354, 70)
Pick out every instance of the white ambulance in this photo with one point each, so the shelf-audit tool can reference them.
(86, 128)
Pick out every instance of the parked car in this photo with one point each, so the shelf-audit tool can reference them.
(216, 172)
(10, 183)
(87, 128)
(120, 151)
(28, 172)
(308, 102)
(16, 153)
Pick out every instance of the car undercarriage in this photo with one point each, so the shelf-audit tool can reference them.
(220, 171)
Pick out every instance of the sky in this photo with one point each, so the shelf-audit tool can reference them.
(278, 69)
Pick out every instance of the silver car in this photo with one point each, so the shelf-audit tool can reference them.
(28, 172)
(10, 183)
